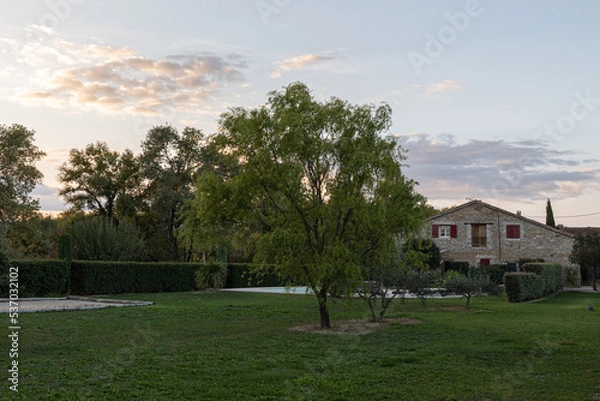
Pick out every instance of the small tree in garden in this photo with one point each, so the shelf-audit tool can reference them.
(384, 281)
(468, 286)
(586, 253)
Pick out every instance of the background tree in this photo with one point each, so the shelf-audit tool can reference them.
(549, 215)
(323, 189)
(586, 253)
(169, 161)
(95, 178)
(18, 174)
(428, 248)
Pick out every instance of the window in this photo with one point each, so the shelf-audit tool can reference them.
(513, 231)
(478, 235)
(444, 231)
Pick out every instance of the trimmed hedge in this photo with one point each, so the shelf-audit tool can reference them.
(94, 277)
(536, 280)
(550, 274)
(36, 278)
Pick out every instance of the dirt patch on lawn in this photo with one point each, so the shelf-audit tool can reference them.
(354, 327)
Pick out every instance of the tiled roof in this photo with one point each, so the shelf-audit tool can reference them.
(506, 212)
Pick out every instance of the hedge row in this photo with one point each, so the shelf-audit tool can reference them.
(96, 277)
(35, 278)
(535, 281)
(43, 278)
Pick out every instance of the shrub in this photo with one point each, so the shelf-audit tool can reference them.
(460, 267)
(243, 275)
(520, 286)
(37, 278)
(550, 276)
(211, 275)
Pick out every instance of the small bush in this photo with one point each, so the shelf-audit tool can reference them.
(550, 276)
(211, 275)
(243, 275)
(460, 267)
(520, 286)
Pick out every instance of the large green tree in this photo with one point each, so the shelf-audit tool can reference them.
(586, 253)
(98, 179)
(319, 183)
(18, 174)
(169, 163)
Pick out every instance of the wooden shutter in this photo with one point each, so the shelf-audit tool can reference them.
(513, 231)
(435, 231)
(453, 231)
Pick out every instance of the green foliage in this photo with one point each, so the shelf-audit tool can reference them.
(572, 277)
(427, 247)
(495, 272)
(523, 261)
(586, 253)
(169, 162)
(242, 275)
(37, 278)
(478, 282)
(318, 185)
(460, 267)
(95, 178)
(95, 238)
(550, 276)
(18, 174)
(95, 277)
(211, 275)
(519, 287)
(65, 247)
(34, 237)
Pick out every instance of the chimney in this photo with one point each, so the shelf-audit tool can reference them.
(519, 213)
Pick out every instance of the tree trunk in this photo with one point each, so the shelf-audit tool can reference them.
(468, 302)
(323, 311)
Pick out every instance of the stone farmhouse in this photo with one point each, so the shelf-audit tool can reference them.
(479, 233)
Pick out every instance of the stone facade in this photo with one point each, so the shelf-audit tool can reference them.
(477, 232)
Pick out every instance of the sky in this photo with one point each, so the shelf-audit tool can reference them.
(492, 100)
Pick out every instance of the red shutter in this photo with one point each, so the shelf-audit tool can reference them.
(435, 232)
(453, 231)
(484, 262)
(513, 231)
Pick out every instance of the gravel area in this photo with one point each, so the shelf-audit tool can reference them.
(68, 303)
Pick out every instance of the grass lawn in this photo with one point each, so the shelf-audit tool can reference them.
(238, 346)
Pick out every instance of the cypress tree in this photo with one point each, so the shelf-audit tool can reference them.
(549, 215)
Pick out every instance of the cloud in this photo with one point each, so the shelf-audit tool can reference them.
(117, 80)
(441, 88)
(494, 169)
(298, 63)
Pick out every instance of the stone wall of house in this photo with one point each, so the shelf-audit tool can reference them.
(536, 241)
